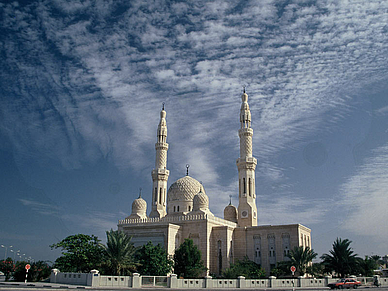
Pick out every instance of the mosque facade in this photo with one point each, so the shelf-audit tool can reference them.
(183, 212)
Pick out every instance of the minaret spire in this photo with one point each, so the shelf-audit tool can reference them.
(160, 173)
(246, 164)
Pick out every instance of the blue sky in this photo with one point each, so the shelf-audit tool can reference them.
(82, 84)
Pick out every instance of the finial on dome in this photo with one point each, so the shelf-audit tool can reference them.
(140, 192)
(187, 169)
(230, 199)
(163, 106)
(244, 88)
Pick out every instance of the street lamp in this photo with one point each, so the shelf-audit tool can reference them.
(6, 250)
(5, 254)
(13, 255)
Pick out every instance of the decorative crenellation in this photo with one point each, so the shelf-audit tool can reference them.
(189, 217)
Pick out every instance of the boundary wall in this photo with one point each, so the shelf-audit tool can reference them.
(94, 279)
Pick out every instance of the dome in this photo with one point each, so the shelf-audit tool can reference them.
(139, 205)
(184, 189)
(230, 213)
(139, 209)
(200, 201)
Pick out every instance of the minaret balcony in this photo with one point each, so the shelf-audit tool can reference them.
(246, 163)
(247, 131)
(161, 146)
(160, 174)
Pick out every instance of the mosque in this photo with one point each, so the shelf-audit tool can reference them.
(183, 212)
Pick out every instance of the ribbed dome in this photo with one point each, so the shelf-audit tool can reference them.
(184, 189)
(139, 205)
(200, 201)
(139, 209)
(230, 213)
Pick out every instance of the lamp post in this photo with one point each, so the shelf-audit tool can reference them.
(6, 250)
(5, 254)
(13, 255)
(11, 250)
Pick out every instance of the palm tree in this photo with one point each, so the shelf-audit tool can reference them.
(378, 260)
(341, 259)
(300, 257)
(119, 252)
(367, 266)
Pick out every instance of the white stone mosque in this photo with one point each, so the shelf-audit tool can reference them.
(183, 212)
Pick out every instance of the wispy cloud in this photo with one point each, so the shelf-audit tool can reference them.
(365, 199)
(42, 208)
(84, 86)
(290, 209)
(108, 78)
(98, 221)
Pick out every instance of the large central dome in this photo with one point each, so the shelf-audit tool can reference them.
(184, 189)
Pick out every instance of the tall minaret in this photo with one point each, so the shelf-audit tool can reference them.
(160, 173)
(246, 164)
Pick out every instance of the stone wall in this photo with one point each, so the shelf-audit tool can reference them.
(136, 281)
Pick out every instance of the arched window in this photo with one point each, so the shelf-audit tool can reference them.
(219, 245)
(249, 187)
(178, 208)
(244, 186)
(174, 208)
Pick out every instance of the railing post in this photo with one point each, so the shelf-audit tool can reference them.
(272, 281)
(136, 280)
(208, 282)
(173, 282)
(53, 275)
(240, 282)
(300, 280)
(327, 280)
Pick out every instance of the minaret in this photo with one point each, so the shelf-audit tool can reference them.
(160, 173)
(246, 164)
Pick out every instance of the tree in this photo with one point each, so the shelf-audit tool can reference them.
(246, 268)
(300, 257)
(119, 252)
(316, 270)
(39, 271)
(7, 267)
(367, 266)
(80, 253)
(341, 259)
(378, 260)
(282, 269)
(153, 260)
(187, 260)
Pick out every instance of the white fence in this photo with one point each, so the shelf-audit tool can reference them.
(94, 279)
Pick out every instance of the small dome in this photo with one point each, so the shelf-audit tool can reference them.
(139, 209)
(139, 205)
(184, 189)
(200, 201)
(230, 213)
